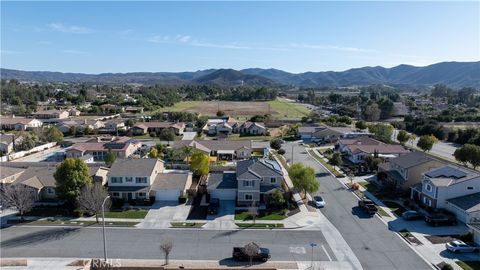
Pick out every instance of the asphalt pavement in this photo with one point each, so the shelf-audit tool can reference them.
(374, 245)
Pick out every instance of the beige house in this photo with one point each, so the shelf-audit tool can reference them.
(219, 149)
(98, 147)
(51, 114)
(19, 123)
(404, 171)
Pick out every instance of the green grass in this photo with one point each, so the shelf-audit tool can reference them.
(180, 106)
(257, 153)
(259, 225)
(289, 109)
(237, 137)
(187, 224)
(324, 163)
(77, 223)
(263, 215)
(469, 265)
(395, 207)
(382, 212)
(127, 214)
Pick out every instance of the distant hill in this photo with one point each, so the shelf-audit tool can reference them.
(453, 74)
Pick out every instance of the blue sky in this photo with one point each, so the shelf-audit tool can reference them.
(95, 37)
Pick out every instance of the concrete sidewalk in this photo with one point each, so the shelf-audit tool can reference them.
(434, 253)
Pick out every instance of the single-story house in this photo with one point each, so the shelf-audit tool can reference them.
(9, 174)
(98, 147)
(221, 149)
(141, 128)
(19, 123)
(51, 114)
(355, 150)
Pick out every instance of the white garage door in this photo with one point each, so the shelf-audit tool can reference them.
(167, 195)
(225, 194)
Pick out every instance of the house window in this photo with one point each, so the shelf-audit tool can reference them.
(469, 188)
(116, 194)
(128, 179)
(141, 194)
(141, 180)
(116, 179)
(248, 197)
(273, 180)
(247, 183)
(50, 191)
(428, 187)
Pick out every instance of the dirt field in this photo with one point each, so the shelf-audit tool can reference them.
(232, 108)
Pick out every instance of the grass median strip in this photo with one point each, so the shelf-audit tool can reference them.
(187, 224)
(136, 214)
(324, 163)
(469, 265)
(259, 225)
(263, 215)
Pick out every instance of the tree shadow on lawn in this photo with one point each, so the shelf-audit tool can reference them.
(39, 237)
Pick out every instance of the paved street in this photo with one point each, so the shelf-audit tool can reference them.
(190, 244)
(373, 244)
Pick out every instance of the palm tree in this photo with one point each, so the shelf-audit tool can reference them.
(188, 152)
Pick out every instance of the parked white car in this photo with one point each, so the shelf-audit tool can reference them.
(458, 246)
(319, 202)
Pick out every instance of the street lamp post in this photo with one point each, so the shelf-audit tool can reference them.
(104, 235)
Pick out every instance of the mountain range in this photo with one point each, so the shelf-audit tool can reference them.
(453, 74)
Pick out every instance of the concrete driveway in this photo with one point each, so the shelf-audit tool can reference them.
(189, 135)
(162, 213)
(225, 219)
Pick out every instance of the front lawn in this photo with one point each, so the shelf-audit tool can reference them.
(263, 215)
(259, 225)
(470, 265)
(395, 207)
(139, 214)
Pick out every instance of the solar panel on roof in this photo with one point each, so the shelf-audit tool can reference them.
(447, 172)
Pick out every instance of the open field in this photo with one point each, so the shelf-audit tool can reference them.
(278, 108)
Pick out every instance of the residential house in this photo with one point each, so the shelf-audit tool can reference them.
(19, 123)
(475, 228)
(219, 149)
(131, 109)
(256, 179)
(9, 174)
(252, 128)
(406, 170)
(450, 187)
(227, 123)
(325, 134)
(98, 147)
(142, 179)
(51, 114)
(7, 143)
(39, 179)
(115, 125)
(73, 112)
(79, 125)
(222, 185)
(355, 150)
(141, 128)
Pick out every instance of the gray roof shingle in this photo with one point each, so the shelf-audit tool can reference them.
(133, 167)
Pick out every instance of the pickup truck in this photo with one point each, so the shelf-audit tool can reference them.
(263, 254)
(368, 206)
(441, 219)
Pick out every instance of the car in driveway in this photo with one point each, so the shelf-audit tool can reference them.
(441, 219)
(458, 246)
(412, 215)
(318, 201)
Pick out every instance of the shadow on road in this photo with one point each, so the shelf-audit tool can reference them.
(230, 262)
(322, 174)
(357, 211)
(38, 237)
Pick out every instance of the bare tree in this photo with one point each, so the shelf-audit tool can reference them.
(91, 199)
(166, 246)
(251, 249)
(253, 211)
(20, 197)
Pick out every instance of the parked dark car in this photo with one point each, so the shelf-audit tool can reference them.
(412, 215)
(239, 254)
(213, 206)
(441, 219)
(368, 206)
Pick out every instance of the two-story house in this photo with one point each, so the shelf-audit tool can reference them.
(146, 178)
(450, 187)
(19, 123)
(131, 179)
(256, 179)
(406, 170)
(122, 147)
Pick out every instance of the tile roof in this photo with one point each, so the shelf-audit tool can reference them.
(170, 181)
(37, 177)
(15, 120)
(411, 159)
(468, 203)
(9, 171)
(133, 167)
